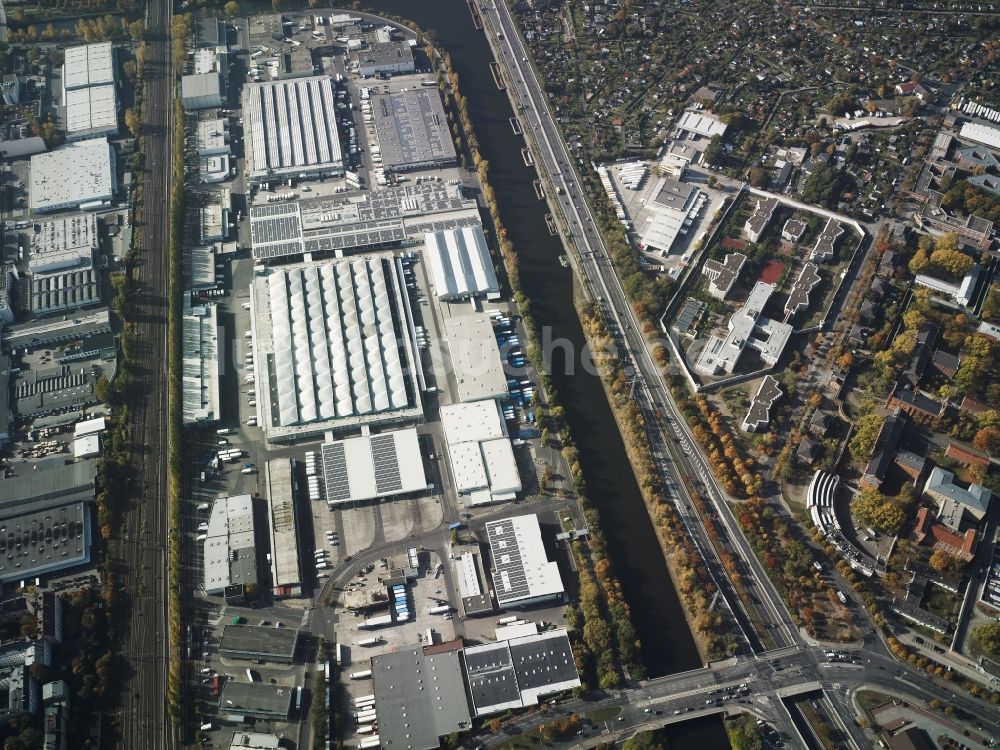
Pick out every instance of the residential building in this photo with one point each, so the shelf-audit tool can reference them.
(957, 506)
(722, 276)
(798, 295)
(826, 242)
(793, 230)
(759, 414)
(759, 220)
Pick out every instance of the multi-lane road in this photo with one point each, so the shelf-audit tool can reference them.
(661, 414)
(143, 721)
(674, 447)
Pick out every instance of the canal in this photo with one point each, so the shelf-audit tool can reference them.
(667, 645)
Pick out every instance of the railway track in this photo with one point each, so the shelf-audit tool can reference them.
(143, 720)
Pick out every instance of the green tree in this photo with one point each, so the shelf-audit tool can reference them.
(866, 430)
(645, 741)
(231, 8)
(132, 122)
(988, 637)
(714, 152)
(875, 510)
(743, 733)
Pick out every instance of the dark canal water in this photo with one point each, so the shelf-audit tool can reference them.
(667, 645)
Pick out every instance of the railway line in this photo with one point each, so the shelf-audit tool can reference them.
(143, 720)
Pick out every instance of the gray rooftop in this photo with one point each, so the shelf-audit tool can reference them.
(412, 129)
(674, 194)
(256, 699)
(267, 641)
(759, 413)
(492, 679)
(39, 333)
(419, 697)
(64, 291)
(798, 297)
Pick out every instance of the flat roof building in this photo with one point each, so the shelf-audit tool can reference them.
(701, 123)
(286, 573)
(480, 453)
(200, 366)
(203, 90)
(475, 358)
(412, 130)
(793, 230)
(461, 264)
(722, 276)
(66, 291)
(747, 328)
(472, 583)
(252, 642)
(51, 390)
(673, 207)
(522, 573)
(419, 695)
(230, 553)
(759, 414)
(962, 292)
(62, 243)
(367, 467)
(333, 346)
(73, 175)
(91, 112)
(212, 137)
(383, 57)
(516, 673)
(256, 700)
(980, 133)
(291, 129)
(253, 740)
(41, 333)
(47, 520)
(88, 65)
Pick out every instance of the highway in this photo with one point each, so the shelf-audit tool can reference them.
(674, 447)
(651, 392)
(143, 718)
(782, 673)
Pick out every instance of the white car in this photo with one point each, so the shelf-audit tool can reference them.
(246, 305)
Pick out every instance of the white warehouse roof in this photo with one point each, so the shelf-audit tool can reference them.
(73, 174)
(332, 335)
(461, 263)
(475, 357)
(88, 65)
(702, 124)
(371, 466)
(522, 571)
(986, 134)
(229, 553)
(200, 365)
(291, 128)
(479, 452)
(91, 111)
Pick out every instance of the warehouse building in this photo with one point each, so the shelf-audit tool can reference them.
(37, 334)
(91, 112)
(200, 364)
(473, 586)
(63, 243)
(412, 130)
(368, 467)
(291, 130)
(334, 347)
(519, 672)
(214, 150)
(58, 293)
(88, 65)
(77, 175)
(252, 642)
(52, 390)
(286, 575)
(47, 520)
(203, 90)
(522, 572)
(420, 695)
(475, 358)
(383, 58)
(461, 264)
(482, 460)
(230, 554)
(255, 700)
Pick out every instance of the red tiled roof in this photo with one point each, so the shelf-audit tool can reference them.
(962, 546)
(965, 457)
